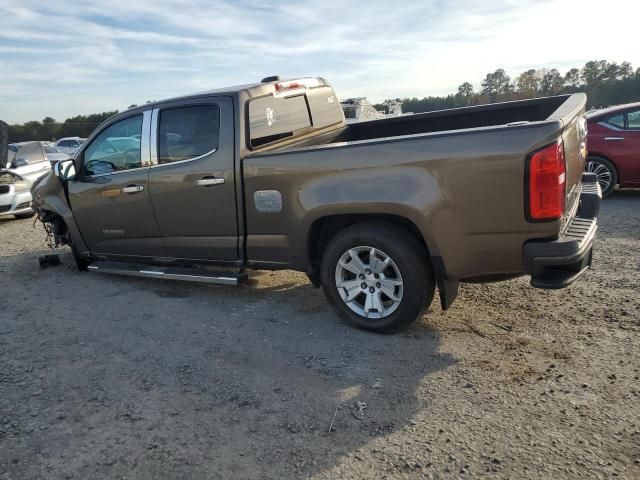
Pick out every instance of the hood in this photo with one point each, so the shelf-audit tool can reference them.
(4, 142)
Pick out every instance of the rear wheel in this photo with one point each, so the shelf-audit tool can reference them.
(377, 276)
(606, 173)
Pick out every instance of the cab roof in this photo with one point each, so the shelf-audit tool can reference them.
(252, 89)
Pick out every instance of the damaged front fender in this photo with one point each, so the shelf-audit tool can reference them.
(51, 204)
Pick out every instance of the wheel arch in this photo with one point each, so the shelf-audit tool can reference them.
(323, 229)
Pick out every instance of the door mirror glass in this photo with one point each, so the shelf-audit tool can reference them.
(65, 170)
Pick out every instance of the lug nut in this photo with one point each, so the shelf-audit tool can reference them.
(361, 276)
(372, 289)
(375, 275)
(378, 284)
(363, 286)
(367, 271)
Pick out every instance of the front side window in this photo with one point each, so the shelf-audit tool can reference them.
(115, 149)
(188, 132)
(616, 120)
(633, 120)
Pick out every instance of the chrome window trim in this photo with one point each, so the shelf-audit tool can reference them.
(153, 137)
(144, 144)
(611, 127)
(115, 173)
(145, 138)
(155, 123)
(185, 160)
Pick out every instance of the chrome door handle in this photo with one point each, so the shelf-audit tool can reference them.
(209, 181)
(132, 189)
(614, 138)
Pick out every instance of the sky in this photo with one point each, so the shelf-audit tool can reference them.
(66, 57)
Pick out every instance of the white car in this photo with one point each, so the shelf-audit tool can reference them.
(69, 145)
(15, 195)
(28, 160)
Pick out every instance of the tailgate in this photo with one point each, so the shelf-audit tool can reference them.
(574, 137)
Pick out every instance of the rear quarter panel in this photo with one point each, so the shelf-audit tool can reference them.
(463, 190)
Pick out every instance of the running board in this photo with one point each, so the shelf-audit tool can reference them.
(200, 275)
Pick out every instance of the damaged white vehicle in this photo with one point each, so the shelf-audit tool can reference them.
(15, 195)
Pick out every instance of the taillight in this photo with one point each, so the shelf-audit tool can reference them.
(547, 182)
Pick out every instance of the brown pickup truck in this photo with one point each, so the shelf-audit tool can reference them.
(378, 213)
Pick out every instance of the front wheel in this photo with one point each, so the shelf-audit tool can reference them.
(377, 277)
(606, 173)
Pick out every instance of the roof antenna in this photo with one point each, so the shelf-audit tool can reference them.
(273, 78)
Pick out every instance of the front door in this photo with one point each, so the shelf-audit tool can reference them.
(192, 180)
(110, 196)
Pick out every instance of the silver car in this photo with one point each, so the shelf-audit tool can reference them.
(69, 145)
(53, 155)
(15, 195)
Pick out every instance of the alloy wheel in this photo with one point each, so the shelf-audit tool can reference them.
(369, 282)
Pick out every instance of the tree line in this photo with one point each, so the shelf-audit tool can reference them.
(605, 83)
(48, 129)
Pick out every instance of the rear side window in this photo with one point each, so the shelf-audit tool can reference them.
(188, 132)
(633, 119)
(325, 107)
(274, 118)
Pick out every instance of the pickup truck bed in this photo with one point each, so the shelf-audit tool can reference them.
(492, 115)
(436, 171)
(377, 213)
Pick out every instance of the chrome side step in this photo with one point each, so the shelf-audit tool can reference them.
(200, 275)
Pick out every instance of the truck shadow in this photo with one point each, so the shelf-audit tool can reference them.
(158, 379)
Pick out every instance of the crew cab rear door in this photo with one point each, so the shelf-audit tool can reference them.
(192, 180)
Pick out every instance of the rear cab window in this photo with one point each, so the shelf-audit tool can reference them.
(274, 118)
(278, 117)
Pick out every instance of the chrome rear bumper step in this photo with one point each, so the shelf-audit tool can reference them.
(199, 275)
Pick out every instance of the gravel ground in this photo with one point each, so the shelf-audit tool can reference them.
(113, 377)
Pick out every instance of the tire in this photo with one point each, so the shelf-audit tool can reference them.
(82, 264)
(605, 172)
(407, 276)
(22, 216)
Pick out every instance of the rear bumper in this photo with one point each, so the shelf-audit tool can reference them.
(558, 263)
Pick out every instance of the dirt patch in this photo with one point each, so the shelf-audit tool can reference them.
(112, 377)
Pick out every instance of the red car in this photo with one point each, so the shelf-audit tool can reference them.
(613, 145)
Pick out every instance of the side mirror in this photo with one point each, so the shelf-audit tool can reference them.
(20, 162)
(65, 170)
